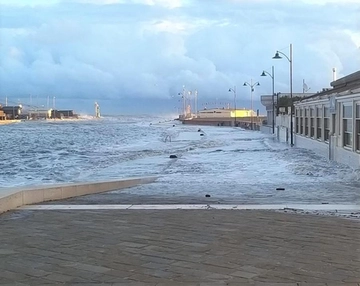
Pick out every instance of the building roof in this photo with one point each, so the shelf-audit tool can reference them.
(343, 86)
(266, 100)
(350, 80)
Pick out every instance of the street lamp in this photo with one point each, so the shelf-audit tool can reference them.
(290, 59)
(272, 75)
(251, 85)
(234, 91)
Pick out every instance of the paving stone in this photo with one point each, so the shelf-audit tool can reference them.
(243, 274)
(213, 247)
(275, 284)
(88, 267)
(55, 277)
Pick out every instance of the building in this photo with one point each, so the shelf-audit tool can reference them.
(328, 122)
(273, 109)
(225, 113)
(62, 114)
(226, 117)
(37, 114)
(12, 112)
(2, 114)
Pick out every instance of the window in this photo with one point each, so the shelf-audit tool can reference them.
(297, 121)
(306, 122)
(326, 124)
(301, 131)
(358, 127)
(312, 123)
(318, 122)
(347, 125)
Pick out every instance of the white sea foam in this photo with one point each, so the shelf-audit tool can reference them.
(225, 161)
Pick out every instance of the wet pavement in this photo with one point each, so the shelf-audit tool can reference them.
(177, 247)
(163, 192)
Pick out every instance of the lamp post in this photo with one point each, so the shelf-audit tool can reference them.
(196, 102)
(272, 75)
(234, 91)
(290, 59)
(184, 101)
(251, 85)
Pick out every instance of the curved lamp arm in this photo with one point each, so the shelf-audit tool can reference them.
(251, 85)
(279, 52)
(267, 73)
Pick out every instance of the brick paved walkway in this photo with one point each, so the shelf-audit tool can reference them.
(208, 247)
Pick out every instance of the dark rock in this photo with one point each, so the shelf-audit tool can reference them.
(207, 196)
(173, 156)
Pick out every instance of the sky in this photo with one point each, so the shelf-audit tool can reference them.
(135, 56)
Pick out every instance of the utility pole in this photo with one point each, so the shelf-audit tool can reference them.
(234, 91)
(251, 85)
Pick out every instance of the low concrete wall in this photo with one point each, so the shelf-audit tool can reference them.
(282, 134)
(266, 129)
(335, 153)
(320, 148)
(347, 157)
(15, 197)
(3, 122)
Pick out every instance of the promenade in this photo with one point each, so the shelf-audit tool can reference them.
(177, 247)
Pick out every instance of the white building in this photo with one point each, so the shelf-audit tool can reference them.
(273, 110)
(38, 113)
(328, 122)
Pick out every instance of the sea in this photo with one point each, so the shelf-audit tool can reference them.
(230, 164)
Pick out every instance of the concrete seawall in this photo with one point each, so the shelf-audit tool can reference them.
(13, 198)
(3, 122)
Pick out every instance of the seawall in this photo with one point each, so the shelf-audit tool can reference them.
(12, 198)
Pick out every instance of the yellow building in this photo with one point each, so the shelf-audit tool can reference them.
(244, 118)
(225, 113)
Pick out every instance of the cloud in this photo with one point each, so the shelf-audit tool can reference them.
(117, 50)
